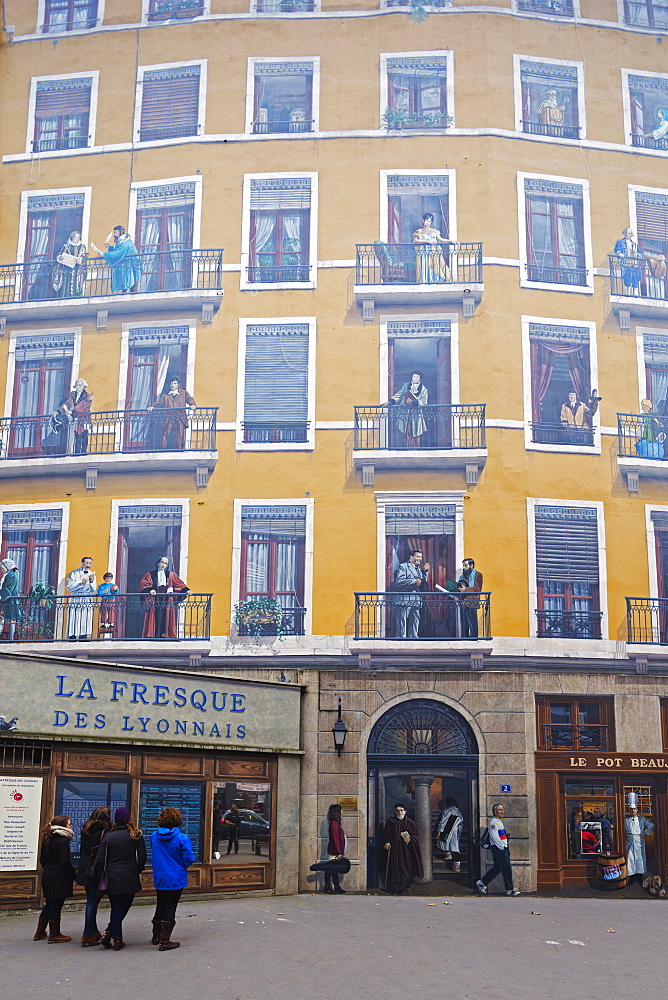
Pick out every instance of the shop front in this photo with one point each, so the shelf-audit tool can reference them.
(76, 735)
(582, 803)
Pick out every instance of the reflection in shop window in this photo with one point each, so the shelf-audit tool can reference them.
(242, 833)
(78, 797)
(187, 798)
(590, 818)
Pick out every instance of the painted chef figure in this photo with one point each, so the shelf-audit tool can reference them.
(636, 828)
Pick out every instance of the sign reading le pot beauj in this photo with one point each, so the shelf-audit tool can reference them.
(142, 704)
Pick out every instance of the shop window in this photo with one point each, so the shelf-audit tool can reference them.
(62, 114)
(571, 723)
(170, 99)
(49, 221)
(555, 249)
(567, 573)
(164, 235)
(562, 410)
(590, 817)
(416, 92)
(276, 406)
(31, 538)
(283, 97)
(69, 15)
(78, 797)
(550, 99)
(42, 381)
(154, 796)
(409, 197)
(648, 101)
(243, 834)
(646, 14)
(280, 221)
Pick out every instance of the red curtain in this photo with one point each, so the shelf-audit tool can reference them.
(542, 366)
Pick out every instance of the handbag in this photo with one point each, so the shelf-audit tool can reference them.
(103, 884)
(90, 869)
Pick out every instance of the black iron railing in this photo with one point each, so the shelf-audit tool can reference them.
(557, 275)
(284, 6)
(292, 623)
(410, 263)
(647, 620)
(559, 131)
(265, 128)
(163, 10)
(434, 615)
(167, 132)
(60, 142)
(164, 271)
(568, 737)
(273, 273)
(568, 624)
(546, 433)
(557, 8)
(123, 616)
(634, 276)
(641, 435)
(648, 142)
(275, 431)
(408, 427)
(107, 433)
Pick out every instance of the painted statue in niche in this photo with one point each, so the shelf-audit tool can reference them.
(550, 112)
(162, 591)
(177, 405)
(121, 255)
(407, 420)
(69, 273)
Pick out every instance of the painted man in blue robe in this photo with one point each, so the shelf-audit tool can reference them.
(627, 251)
(122, 257)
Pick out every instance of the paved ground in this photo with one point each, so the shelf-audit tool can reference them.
(316, 947)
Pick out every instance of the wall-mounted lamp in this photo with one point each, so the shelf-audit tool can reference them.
(339, 732)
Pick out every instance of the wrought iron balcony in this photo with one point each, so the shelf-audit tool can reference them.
(561, 624)
(561, 434)
(440, 427)
(642, 436)
(648, 142)
(123, 617)
(568, 737)
(556, 8)
(274, 273)
(275, 431)
(460, 616)
(633, 277)
(558, 131)
(647, 620)
(410, 264)
(292, 623)
(49, 145)
(164, 10)
(266, 128)
(557, 275)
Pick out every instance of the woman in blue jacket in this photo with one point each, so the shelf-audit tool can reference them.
(171, 856)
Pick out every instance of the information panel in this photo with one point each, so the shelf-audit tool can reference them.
(158, 795)
(20, 803)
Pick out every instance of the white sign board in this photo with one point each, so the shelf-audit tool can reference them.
(20, 805)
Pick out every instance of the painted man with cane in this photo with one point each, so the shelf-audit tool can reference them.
(403, 860)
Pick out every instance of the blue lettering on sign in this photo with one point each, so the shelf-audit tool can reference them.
(87, 690)
(62, 718)
(505, 788)
(61, 693)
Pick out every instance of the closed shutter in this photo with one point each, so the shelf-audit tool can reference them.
(566, 545)
(170, 103)
(284, 521)
(62, 97)
(652, 218)
(276, 382)
(420, 519)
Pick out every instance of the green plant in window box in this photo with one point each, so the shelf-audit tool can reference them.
(35, 622)
(259, 616)
(401, 118)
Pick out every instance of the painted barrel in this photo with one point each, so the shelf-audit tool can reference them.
(612, 871)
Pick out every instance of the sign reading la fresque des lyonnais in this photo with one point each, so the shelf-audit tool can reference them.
(20, 804)
(142, 704)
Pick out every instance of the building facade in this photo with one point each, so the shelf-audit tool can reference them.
(316, 301)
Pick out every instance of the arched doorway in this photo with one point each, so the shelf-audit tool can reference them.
(420, 753)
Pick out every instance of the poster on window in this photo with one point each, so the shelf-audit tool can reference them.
(592, 837)
(20, 806)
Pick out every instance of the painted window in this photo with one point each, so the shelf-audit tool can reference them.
(42, 381)
(648, 101)
(428, 527)
(555, 232)
(155, 356)
(421, 346)
(567, 573)
(62, 113)
(273, 541)
(416, 91)
(170, 103)
(560, 367)
(145, 533)
(50, 220)
(69, 15)
(32, 539)
(283, 6)
(655, 349)
(164, 235)
(554, 8)
(276, 384)
(575, 723)
(652, 223)
(164, 10)
(409, 197)
(646, 13)
(280, 211)
(283, 97)
(660, 525)
(549, 99)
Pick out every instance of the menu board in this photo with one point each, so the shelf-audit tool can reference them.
(158, 795)
(20, 804)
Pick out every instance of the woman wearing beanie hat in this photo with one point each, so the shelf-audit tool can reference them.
(122, 857)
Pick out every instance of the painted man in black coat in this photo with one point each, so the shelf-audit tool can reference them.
(401, 860)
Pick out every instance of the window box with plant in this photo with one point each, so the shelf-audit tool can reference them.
(259, 616)
(165, 10)
(400, 118)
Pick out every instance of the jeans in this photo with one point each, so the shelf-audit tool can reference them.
(166, 902)
(52, 909)
(502, 865)
(233, 841)
(119, 908)
(93, 897)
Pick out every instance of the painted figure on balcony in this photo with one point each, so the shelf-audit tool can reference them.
(576, 417)
(81, 583)
(121, 255)
(432, 262)
(661, 130)
(407, 421)
(69, 274)
(9, 595)
(76, 411)
(627, 251)
(162, 592)
(650, 445)
(550, 113)
(469, 583)
(409, 579)
(178, 405)
(107, 592)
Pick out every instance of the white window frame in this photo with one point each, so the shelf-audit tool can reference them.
(452, 318)
(637, 27)
(94, 77)
(201, 99)
(307, 502)
(452, 197)
(633, 212)
(517, 88)
(641, 332)
(253, 64)
(23, 214)
(626, 98)
(652, 568)
(182, 502)
(446, 54)
(309, 444)
(156, 325)
(526, 368)
(145, 6)
(532, 503)
(553, 286)
(385, 499)
(245, 284)
(159, 182)
(11, 357)
(64, 508)
(41, 8)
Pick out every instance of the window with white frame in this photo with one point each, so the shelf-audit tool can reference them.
(652, 223)
(62, 114)
(659, 519)
(282, 97)
(170, 102)
(31, 538)
(164, 235)
(280, 220)
(550, 104)
(417, 91)
(50, 218)
(646, 14)
(273, 557)
(409, 196)
(165, 10)
(69, 15)
(555, 243)
(562, 410)
(553, 8)
(276, 406)
(42, 381)
(648, 104)
(567, 572)
(655, 357)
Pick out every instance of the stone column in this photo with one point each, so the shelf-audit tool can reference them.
(423, 822)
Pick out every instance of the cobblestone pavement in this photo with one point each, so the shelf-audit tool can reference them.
(312, 947)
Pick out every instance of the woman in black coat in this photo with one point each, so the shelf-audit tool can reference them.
(122, 855)
(57, 877)
(97, 824)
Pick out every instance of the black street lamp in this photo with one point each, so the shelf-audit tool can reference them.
(340, 732)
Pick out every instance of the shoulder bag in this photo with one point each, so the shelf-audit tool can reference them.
(103, 884)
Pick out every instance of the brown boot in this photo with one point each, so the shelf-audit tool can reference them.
(165, 932)
(55, 937)
(42, 925)
(88, 940)
(156, 932)
(105, 940)
(118, 944)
